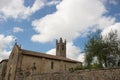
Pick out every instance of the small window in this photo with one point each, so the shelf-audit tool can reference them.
(0, 65)
(65, 67)
(62, 47)
(52, 65)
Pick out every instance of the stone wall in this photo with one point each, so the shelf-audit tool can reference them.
(103, 74)
(3, 65)
(44, 65)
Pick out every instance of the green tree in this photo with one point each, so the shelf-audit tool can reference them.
(112, 49)
(102, 48)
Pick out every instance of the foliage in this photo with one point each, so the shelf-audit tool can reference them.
(102, 48)
(94, 66)
(79, 67)
(82, 67)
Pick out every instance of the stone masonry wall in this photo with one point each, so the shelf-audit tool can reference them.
(103, 74)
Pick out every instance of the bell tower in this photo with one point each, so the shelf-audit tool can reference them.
(61, 48)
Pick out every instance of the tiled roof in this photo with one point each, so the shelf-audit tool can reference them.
(38, 54)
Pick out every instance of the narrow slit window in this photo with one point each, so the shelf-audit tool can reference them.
(65, 67)
(52, 65)
(62, 47)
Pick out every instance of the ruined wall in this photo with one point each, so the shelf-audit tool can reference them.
(107, 74)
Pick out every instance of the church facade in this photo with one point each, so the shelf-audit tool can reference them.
(23, 63)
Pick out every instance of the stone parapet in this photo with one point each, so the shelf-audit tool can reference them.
(102, 74)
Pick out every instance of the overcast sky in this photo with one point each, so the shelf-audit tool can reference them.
(36, 24)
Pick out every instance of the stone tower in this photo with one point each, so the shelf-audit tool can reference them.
(61, 48)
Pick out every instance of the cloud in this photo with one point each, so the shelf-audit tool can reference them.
(3, 2)
(17, 29)
(53, 2)
(73, 52)
(113, 27)
(113, 2)
(81, 57)
(52, 51)
(5, 42)
(16, 8)
(72, 19)
(117, 14)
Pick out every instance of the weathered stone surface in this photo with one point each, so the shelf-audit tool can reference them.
(22, 64)
(29, 65)
(3, 66)
(106, 74)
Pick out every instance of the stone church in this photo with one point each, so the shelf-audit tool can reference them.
(23, 63)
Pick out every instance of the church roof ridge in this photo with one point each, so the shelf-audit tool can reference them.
(39, 54)
(3, 60)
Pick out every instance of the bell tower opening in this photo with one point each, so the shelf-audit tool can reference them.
(61, 48)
